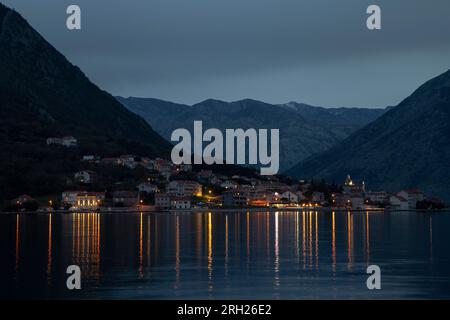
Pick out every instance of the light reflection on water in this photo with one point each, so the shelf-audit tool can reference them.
(292, 255)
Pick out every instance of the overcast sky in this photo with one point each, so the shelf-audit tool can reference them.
(314, 51)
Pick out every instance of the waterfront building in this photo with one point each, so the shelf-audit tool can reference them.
(234, 199)
(357, 202)
(184, 188)
(89, 200)
(180, 203)
(412, 196)
(125, 198)
(378, 197)
(162, 201)
(398, 202)
(339, 200)
(83, 199)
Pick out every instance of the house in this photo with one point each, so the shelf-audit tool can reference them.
(125, 198)
(180, 202)
(89, 200)
(67, 141)
(412, 196)
(82, 199)
(147, 187)
(128, 161)
(162, 201)
(90, 158)
(86, 176)
(234, 199)
(398, 202)
(184, 188)
(260, 193)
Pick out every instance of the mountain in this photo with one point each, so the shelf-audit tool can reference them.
(304, 130)
(409, 146)
(43, 95)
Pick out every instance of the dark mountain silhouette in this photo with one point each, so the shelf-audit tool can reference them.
(409, 146)
(42, 95)
(304, 130)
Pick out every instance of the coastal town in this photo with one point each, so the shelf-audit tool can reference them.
(163, 185)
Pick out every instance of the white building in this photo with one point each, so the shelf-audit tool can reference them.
(180, 203)
(162, 201)
(83, 200)
(147, 187)
(398, 202)
(67, 141)
(412, 196)
(184, 188)
(377, 196)
(90, 158)
(128, 161)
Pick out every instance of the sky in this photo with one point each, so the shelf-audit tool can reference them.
(318, 52)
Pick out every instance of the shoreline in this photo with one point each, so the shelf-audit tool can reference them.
(224, 210)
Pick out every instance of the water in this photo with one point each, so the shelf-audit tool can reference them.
(217, 255)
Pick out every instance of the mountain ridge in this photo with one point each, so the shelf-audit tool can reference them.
(407, 147)
(43, 95)
(301, 134)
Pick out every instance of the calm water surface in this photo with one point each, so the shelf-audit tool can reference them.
(217, 255)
